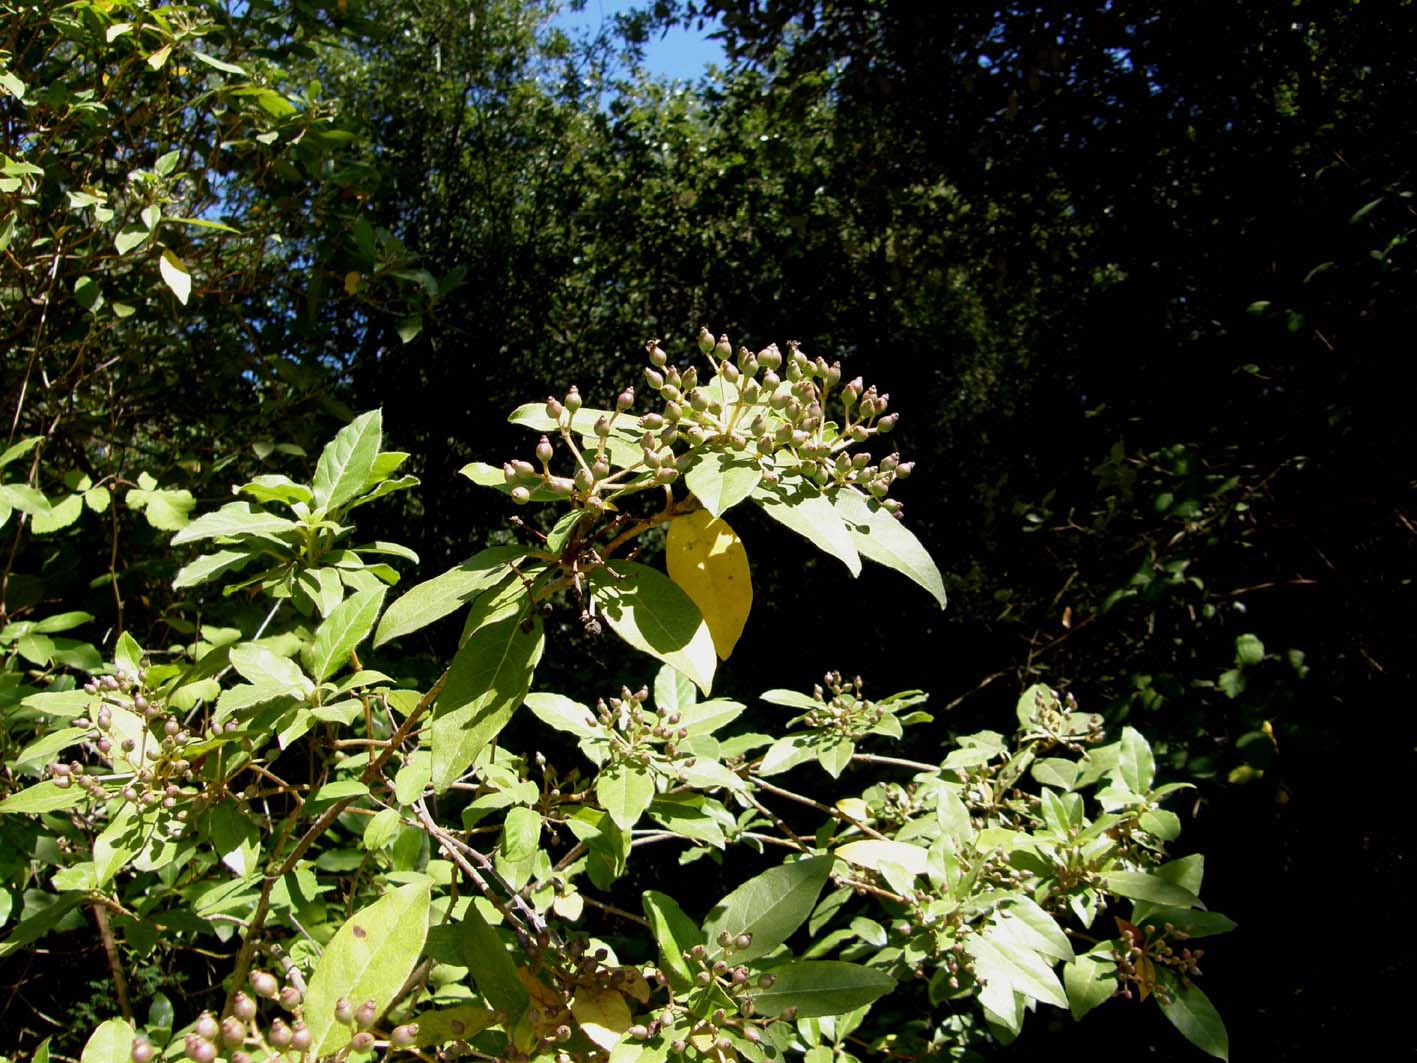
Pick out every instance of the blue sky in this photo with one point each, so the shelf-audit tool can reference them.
(682, 53)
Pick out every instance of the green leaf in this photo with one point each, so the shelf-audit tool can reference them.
(675, 933)
(1090, 980)
(882, 538)
(110, 1043)
(560, 712)
(521, 833)
(58, 516)
(1024, 922)
(650, 612)
(706, 717)
(42, 797)
(130, 237)
(233, 521)
(347, 460)
(217, 64)
(487, 681)
(434, 599)
(720, 480)
(19, 450)
(1191, 1012)
(42, 922)
(347, 625)
(565, 524)
(481, 950)
(459, 1023)
(673, 691)
(380, 830)
(1009, 967)
(209, 566)
(1140, 886)
(1135, 763)
(257, 664)
(822, 987)
(1194, 923)
(874, 853)
(273, 487)
(369, 958)
(411, 779)
(625, 791)
(769, 906)
(803, 509)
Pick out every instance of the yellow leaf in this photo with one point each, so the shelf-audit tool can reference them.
(602, 1014)
(351, 281)
(706, 559)
(175, 275)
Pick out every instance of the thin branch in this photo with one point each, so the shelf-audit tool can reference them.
(115, 966)
(835, 813)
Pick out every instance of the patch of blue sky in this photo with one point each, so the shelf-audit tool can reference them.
(684, 53)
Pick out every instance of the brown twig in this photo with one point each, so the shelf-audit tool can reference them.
(115, 966)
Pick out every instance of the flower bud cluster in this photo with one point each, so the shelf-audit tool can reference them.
(845, 711)
(1141, 950)
(715, 967)
(241, 1033)
(640, 733)
(775, 407)
(765, 407)
(162, 753)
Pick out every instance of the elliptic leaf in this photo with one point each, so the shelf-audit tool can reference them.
(602, 1015)
(675, 934)
(487, 681)
(649, 611)
(720, 480)
(769, 906)
(233, 520)
(822, 987)
(800, 507)
(110, 1043)
(625, 792)
(706, 558)
(874, 852)
(369, 958)
(1089, 980)
(886, 540)
(175, 276)
(346, 626)
(435, 598)
(347, 460)
(1191, 1012)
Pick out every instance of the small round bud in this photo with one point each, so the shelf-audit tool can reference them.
(573, 399)
(344, 1010)
(654, 378)
(280, 1034)
(199, 1049)
(290, 997)
(742, 941)
(365, 1014)
(521, 496)
(233, 1031)
(554, 409)
(363, 1041)
(264, 984)
(206, 1026)
(404, 1035)
(625, 400)
(656, 353)
(300, 1036)
(705, 339)
(602, 426)
(243, 1007)
(544, 450)
(142, 1050)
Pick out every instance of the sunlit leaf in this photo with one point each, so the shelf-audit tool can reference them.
(706, 558)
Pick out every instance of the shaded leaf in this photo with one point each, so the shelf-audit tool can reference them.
(433, 599)
(803, 509)
(1191, 1012)
(487, 681)
(769, 906)
(822, 987)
